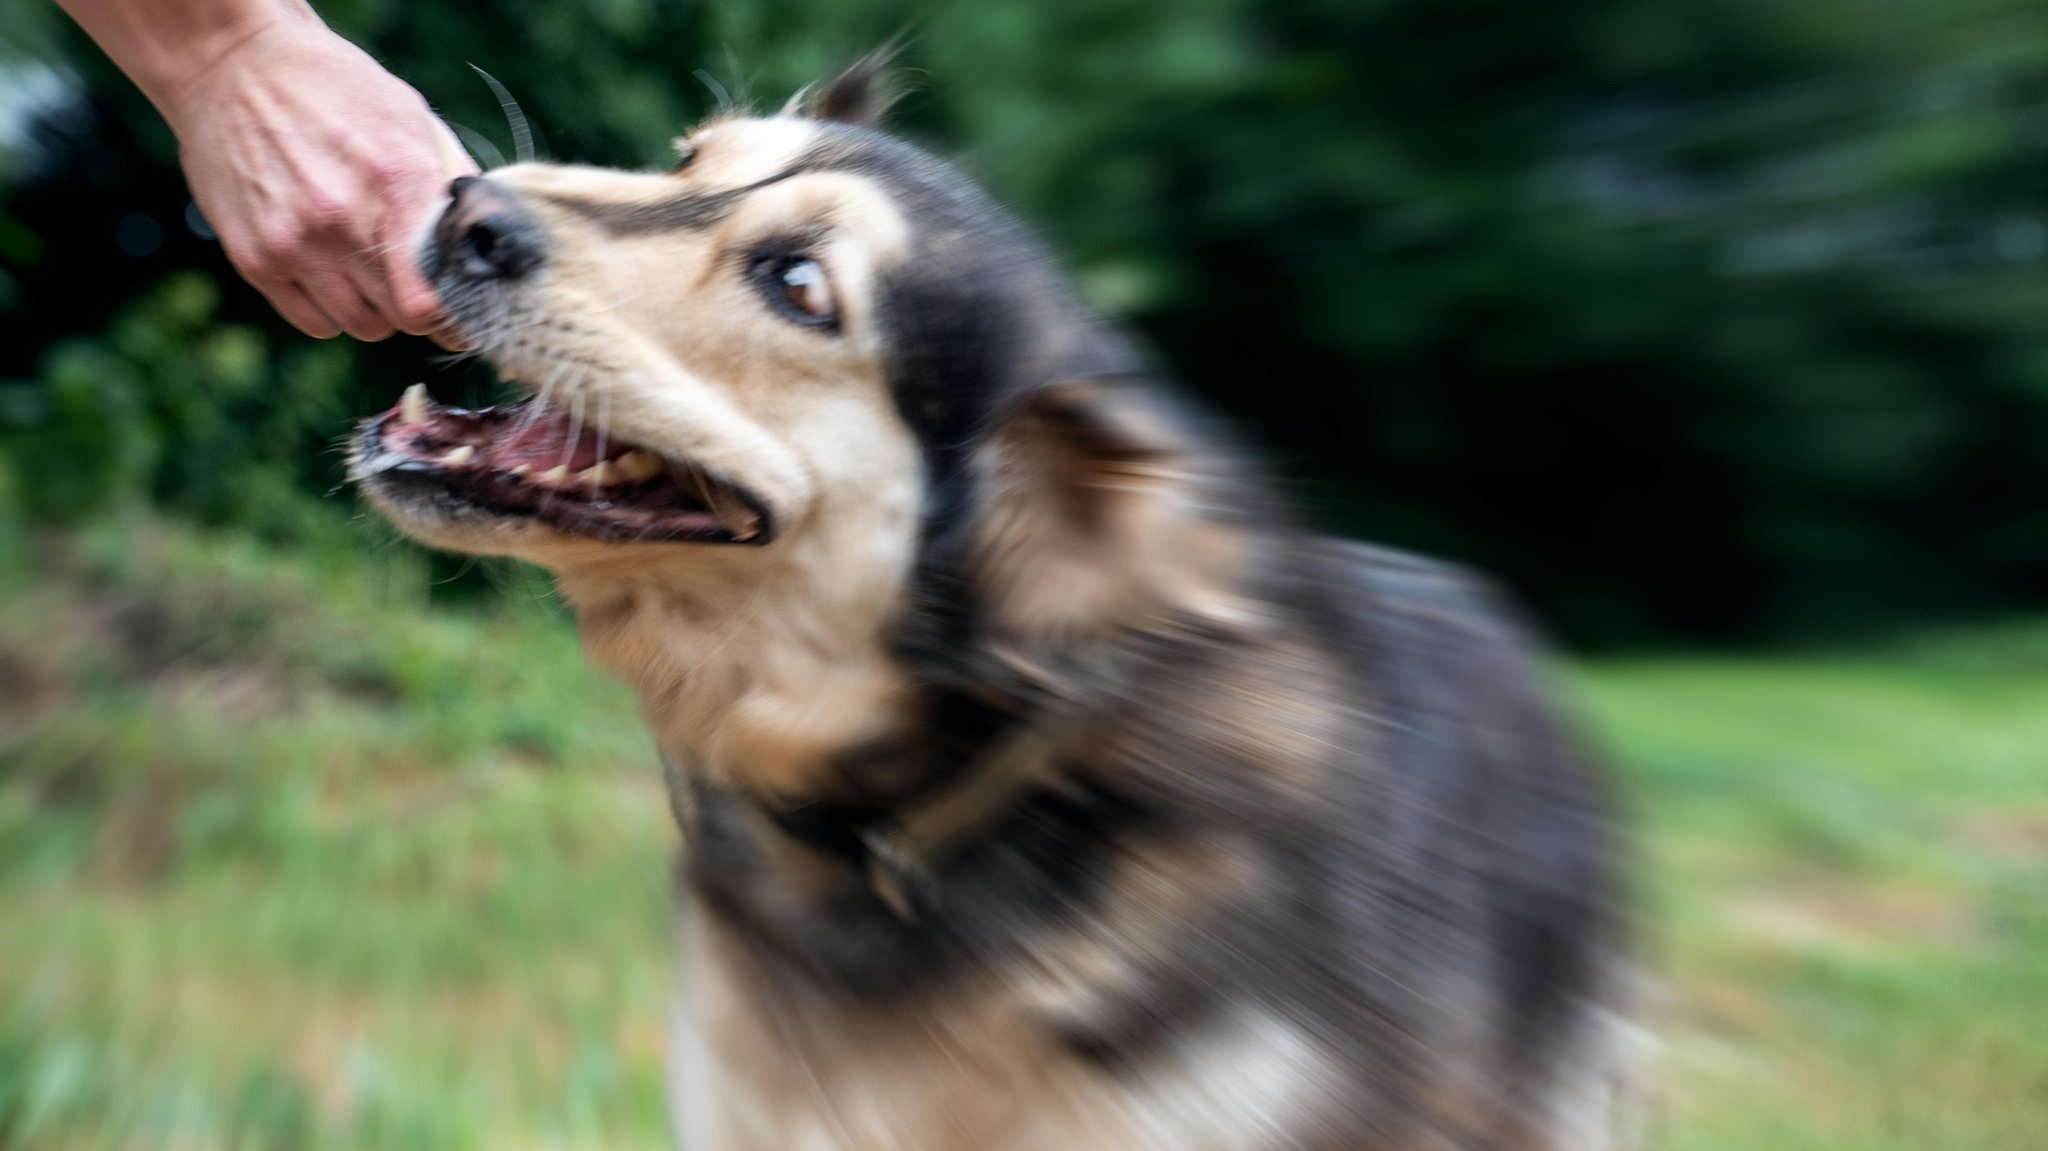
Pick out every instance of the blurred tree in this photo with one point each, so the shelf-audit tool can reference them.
(1693, 318)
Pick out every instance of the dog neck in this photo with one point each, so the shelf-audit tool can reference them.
(756, 668)
(903, 848)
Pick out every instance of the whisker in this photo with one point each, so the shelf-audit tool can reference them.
(715, 494)
(744, 82)
(547, 498)
(717, 89)
(575, 426)
(522, 133)
(481, 149)
(540, 401)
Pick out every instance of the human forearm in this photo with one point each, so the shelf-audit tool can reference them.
(318, 169)
(165, 46)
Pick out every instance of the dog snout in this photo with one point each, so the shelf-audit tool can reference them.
(485, 235)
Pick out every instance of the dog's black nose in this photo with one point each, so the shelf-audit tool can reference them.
(485, 235)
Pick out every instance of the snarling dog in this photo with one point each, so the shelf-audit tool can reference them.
(1044, 783)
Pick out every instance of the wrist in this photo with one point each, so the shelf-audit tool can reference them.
(193, 57)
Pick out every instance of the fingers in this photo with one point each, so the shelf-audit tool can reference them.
(407, 226)
(346, 305)
(370, 299)
(451, 339)
(405, 299)
(336, 252)
(414, 308)
(311, 286)
(299, 310)
(370, 325)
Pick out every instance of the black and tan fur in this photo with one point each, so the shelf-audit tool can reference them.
(1044, 783)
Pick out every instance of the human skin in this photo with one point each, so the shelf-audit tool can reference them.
(318, 169)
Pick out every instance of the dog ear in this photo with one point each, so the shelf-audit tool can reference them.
(1099, 514)
(862, 94)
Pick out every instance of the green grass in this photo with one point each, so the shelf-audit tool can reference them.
(1846, 863)
(294, 856)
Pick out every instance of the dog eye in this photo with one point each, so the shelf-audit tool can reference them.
(797, 286)
(685, 152)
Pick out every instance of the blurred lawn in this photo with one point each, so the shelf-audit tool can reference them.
(292, 856)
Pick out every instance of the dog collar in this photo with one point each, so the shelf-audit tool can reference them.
(903, 849)
(907, 848)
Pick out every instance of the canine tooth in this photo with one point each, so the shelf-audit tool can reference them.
(554, 475)
(457, 457)
(744, 525)
(597, 474)
(412, 407)
(636, 465)
(519, 471)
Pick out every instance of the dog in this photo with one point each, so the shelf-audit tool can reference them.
(1044, 782)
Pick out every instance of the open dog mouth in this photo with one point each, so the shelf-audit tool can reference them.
(529, 461)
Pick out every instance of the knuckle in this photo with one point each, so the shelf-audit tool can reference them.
(420, 315)
(384, 173)
(355, 319)
(324, 212)
(249, 258)
(277, 246)
(314, 324)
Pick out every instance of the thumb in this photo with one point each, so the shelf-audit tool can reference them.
(455, 159)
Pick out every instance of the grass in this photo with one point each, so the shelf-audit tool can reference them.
(1846, 862)
(291, 858)
(294, 856)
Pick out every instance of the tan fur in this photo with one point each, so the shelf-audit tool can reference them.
(1081, 539)
(750, 663)
(753, 665)
(756, 666)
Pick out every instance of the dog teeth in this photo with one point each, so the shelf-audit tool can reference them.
(412, 407)
(634, 466)
(744, 525)
(520, 471)
(597, 474)
(457, 457)
(554, 475)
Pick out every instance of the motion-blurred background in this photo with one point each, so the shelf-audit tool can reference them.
(1718, 329)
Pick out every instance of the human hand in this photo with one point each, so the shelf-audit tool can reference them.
(320, 172)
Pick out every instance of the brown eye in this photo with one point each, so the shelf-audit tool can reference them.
(804, 286)
(797, 287)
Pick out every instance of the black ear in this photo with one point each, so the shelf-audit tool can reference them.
(862, 94)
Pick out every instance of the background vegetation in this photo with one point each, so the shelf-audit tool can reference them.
(1714, 326)
(1698, 319)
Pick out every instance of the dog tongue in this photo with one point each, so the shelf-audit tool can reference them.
(541, 441)
(503, 438)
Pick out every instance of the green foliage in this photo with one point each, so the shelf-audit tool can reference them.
(1698, 318)
(200, 417)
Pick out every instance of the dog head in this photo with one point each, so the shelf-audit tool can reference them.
(805, 401)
